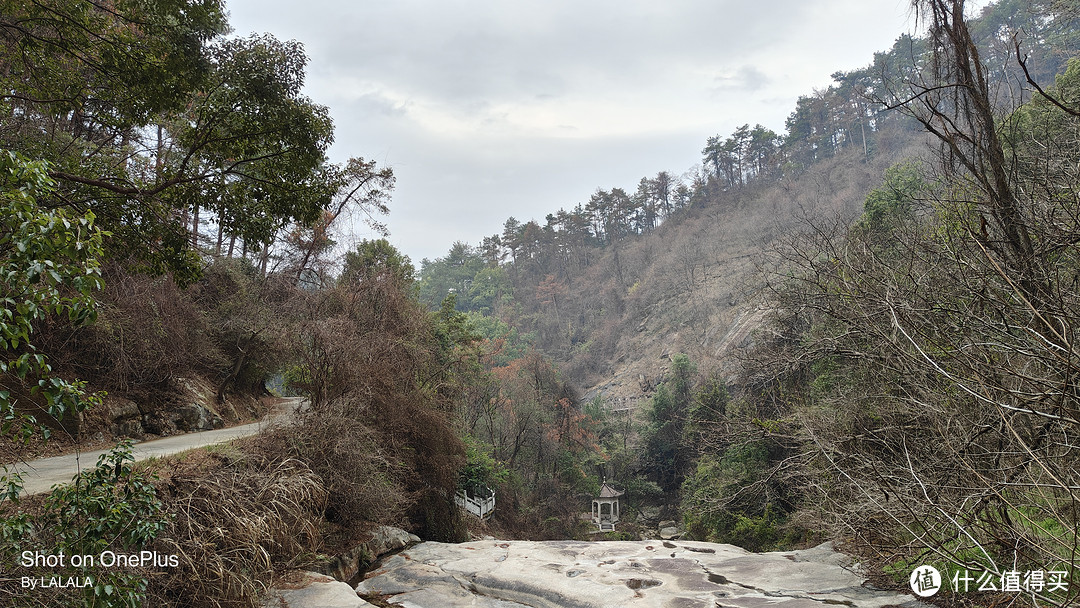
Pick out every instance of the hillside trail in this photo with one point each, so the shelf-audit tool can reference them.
(42, 474)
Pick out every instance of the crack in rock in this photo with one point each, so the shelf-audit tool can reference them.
(722, 580)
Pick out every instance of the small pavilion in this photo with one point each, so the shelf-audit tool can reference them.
(605, 507)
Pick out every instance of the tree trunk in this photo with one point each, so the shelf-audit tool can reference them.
(195, 229)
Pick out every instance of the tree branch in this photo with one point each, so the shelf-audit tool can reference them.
(1039, 89)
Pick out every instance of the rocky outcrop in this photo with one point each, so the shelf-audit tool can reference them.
(125, 417)
(661, 574)
(182, 405)
(324, 588)
(313, 590)
(384, 539)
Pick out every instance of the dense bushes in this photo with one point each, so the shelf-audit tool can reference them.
(228, 327)
(363, 479)
(920, 367)
(147, 332)
(376, 443)
(374, 360)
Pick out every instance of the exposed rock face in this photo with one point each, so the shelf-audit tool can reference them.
(384, 539)
(194, 417)
(317, 590)
(183, 405)
(126, 417)
(572, 574)
(648, 514)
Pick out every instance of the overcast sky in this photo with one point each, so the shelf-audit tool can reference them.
(519, 107)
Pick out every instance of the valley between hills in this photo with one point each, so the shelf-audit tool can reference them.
(811, 369)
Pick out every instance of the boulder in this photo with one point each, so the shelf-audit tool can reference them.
(128, 427)
(158, 424)
(125, 417)
(194, 417)
(669, 532)
(120, 408)
(385, 539)
(313, 590)
(649, 514)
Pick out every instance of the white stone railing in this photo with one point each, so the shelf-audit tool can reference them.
(480, 507)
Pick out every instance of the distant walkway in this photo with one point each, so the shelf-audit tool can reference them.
(42, 474)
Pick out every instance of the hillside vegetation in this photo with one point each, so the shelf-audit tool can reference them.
(861, 329)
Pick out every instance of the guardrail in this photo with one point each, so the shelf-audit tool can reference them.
(480, 507)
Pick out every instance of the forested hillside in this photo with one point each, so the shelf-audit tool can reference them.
(859, 329)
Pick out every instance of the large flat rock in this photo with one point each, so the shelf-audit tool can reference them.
(572, 574)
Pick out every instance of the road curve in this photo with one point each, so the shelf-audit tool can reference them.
(42, 474)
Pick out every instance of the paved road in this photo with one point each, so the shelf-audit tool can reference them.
(42, 474)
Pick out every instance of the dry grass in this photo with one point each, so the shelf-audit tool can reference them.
(362, 480)
(236, 517)
(250, 509)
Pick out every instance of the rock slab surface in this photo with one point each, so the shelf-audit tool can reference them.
(660, 574)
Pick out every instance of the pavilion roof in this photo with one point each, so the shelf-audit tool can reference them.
(608, 491)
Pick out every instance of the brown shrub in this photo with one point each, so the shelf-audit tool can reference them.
(146, 333)
(376, 365)
(362, 479)
(231, 526)
(245, 313)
